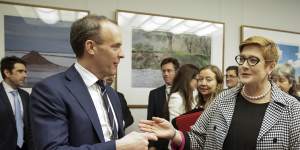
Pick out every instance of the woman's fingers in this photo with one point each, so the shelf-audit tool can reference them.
(149, 122)
(158, 120)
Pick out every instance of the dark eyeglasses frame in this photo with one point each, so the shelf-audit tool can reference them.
(247, 59)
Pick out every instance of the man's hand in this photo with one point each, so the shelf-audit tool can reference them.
(135, 141)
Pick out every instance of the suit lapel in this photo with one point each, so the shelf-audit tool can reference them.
(24, 99)
(7, 104)
(163, 94)
(77, 87)
(227, 107)
(273, 112)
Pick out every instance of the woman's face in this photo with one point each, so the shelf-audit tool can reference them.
(254, 70)
(207, 83)
(283, 82)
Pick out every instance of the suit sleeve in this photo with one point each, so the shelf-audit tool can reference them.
(49, 120)
(151, 105)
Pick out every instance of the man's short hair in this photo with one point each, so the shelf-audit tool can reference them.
(172, 60)
(86, 28)
(235, 68)
(8, 63)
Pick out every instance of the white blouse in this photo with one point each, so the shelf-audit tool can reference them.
(176, 104)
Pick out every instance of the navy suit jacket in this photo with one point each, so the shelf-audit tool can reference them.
(64, 116)
(156, 108)
(8, 130)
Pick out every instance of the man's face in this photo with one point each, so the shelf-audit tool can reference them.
(17, 76)
(231, 78)
(107, 55)
(168, 72)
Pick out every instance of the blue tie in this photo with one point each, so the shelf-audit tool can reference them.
(18, 117)
(110, 115)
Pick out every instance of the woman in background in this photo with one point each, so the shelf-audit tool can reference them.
(284, 77)
(210, 83)
(184, 94)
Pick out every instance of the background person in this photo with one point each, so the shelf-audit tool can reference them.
(15, 131)
(284, 77)
(184, 94)
(210, 83)
(127, 117)
(256, 115)
(158, 98)
(232, 78)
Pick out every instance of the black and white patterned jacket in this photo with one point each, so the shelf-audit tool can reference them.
(280, 128)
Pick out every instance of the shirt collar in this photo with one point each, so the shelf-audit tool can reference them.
(7, 87)
(88, 78)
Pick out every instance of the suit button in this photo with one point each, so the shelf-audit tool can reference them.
(274, 140)
(215, 128)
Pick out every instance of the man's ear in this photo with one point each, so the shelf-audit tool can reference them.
(7, 72)
(89, 46)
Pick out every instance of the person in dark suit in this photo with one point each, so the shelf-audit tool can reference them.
(157, 106)
(74, 109)
(232, 76)
(128, 119)
(14, 120)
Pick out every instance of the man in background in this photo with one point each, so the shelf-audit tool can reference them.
(75, 109)
(158, 98)
(14, 120)
(232, 78)
(127, 117)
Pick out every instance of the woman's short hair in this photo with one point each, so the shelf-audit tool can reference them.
(268, 47)
(288, 71)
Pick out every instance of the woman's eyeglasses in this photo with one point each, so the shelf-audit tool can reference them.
(252, 60)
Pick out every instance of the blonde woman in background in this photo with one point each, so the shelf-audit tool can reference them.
(210, 83)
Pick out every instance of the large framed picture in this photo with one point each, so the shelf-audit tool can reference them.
(149, 38)
(40, 36)
(287, 41)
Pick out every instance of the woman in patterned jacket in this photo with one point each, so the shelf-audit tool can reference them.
(255, 115)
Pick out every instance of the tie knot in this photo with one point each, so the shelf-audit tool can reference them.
(101, 83)
(14, 92)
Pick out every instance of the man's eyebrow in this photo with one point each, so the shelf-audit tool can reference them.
(117, 45)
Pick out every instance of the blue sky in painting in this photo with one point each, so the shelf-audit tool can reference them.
(289, 53)
(38, 36)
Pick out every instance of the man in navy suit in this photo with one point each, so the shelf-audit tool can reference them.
(157, 106)
(14, 121)
(73, 110)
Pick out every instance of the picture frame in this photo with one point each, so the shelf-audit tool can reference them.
(148, 38)
(288, 43)
(40, 36)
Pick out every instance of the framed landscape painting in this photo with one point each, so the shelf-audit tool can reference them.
(288, 43)
(40, 36)
(149, 38)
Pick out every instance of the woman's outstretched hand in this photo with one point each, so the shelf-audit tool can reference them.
(160, 127)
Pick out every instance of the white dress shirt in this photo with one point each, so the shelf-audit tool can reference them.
(90, 81)
(8, 89)
(177, 106)
(168, 90)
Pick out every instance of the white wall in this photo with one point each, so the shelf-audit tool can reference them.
(278, 14)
